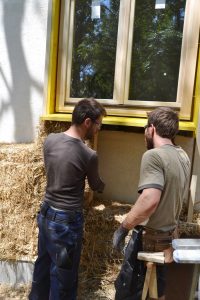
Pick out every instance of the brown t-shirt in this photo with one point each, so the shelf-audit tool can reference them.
(166, 168)
(68, 161)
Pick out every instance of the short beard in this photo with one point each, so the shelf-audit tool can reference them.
(89, 134)
(149, 143)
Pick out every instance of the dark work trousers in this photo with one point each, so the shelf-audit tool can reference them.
(130, 281)
(55, 274)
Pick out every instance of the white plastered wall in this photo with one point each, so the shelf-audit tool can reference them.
(23, 30)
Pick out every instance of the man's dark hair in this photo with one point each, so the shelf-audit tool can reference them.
(165, 120)
(87, 108)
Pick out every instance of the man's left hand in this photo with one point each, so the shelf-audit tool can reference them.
(119, 238)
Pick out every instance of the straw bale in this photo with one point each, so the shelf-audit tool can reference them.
(22, 185)
(20, 196)
(19, 292)
(189, 229)
(99, 262)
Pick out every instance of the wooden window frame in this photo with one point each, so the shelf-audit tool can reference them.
(187, 67)
(120, 105)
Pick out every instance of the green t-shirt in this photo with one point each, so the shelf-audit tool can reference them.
(166, 168)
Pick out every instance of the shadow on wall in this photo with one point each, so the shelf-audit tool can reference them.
(22, 83)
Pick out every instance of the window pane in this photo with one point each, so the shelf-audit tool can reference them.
(157, 39)
(94, 48)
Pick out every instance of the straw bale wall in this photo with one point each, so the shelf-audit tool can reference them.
(21, 188)
(22, 184)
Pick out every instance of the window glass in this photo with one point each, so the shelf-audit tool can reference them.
(94, 48)
(157, 39)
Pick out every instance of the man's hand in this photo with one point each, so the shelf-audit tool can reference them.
(119, 238)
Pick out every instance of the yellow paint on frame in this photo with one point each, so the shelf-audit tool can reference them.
(197, 93)
(52, 69)
(109, 120)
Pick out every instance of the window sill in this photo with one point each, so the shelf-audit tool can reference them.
(115, 120)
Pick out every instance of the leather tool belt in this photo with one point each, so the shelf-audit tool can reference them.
(156, 240)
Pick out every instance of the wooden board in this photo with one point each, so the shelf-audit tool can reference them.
(157, 257)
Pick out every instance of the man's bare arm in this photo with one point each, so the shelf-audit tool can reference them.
(144, 207)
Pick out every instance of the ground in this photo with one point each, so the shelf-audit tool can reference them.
(11, 293)
(21, 293)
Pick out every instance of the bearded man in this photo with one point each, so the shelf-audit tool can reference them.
(68, 161)
(163, 187)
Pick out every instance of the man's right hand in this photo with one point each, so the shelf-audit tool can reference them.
(119, 238)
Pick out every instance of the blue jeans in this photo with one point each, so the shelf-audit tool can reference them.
(55, 274)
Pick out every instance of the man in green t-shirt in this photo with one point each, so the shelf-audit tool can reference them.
(163, 187)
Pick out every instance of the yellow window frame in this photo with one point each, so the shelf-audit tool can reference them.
(51, 76)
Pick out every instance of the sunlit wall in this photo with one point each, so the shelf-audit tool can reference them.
(23, 28)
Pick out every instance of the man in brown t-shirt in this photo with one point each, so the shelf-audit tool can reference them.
(163, 185)
(68, 161)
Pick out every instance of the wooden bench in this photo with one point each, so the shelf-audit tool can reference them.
(150, 283)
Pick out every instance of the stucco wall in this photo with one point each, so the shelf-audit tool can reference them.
(120, 154)
(23, 28)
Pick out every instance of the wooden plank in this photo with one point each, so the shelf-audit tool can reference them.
(193, 185)
(188, 57)
(147, 280)
(51, 56)
(157, 257)
(121, 51)
(153, 290)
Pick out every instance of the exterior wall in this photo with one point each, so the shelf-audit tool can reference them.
(196, 171)
(23, 32)
(23, 29)
(120, 155)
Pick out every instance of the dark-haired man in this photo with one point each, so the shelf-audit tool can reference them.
(163, 187)
(68, 161)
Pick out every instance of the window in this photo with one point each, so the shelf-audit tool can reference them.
(131, 55)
